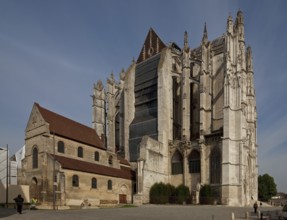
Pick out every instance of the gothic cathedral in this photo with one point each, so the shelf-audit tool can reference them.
(186, 116)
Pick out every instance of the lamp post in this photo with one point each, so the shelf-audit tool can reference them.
(7, 173)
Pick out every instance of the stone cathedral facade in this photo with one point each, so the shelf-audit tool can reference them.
(184, 115)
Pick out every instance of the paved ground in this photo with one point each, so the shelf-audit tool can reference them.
(146, 212)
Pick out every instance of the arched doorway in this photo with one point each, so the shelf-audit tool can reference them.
(123, 194)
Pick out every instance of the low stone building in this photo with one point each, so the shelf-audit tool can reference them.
(66, 164)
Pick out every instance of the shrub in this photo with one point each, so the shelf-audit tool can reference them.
(206, 195)
(182, 194)
(158, 194)
(171, 193)
(161, 193)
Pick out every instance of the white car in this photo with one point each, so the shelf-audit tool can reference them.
(283, 213)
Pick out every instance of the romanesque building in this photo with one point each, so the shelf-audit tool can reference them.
(184, 115)
(66, 164)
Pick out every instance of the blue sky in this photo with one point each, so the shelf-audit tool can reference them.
(52, 52)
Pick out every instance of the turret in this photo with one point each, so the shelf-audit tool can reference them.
(111, 90)
(239, 25)
(249, 71)
(249, 60)
(229, 27)
(122, 78)
(99, 109)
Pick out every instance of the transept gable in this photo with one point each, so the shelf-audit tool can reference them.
(152, 46)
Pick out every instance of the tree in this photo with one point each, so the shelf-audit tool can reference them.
(266, 187)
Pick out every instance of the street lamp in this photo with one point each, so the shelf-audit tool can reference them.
(7, 173)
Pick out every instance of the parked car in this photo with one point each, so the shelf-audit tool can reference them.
(283, 213)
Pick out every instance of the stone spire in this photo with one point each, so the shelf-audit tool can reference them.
(205, 36)
(186, 46)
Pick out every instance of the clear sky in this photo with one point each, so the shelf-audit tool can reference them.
(52, 52)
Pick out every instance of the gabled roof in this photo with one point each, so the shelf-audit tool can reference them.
(83, 166)
(65, 127)
(152, 46)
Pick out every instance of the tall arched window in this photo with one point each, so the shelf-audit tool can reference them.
(215, 166)
(176, 163)
(75, 181)
(94, 183)
(194, 162)
(110, 185)
(80, 152)
(61, 147)
(35, 157)
(97, 156)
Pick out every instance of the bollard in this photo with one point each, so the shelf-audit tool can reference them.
(232, 215)
(247, 215)
(213, 217)
(258, 214)
(261, 216)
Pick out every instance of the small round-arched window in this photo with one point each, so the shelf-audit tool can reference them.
(94, 183)
(61, 147)
(80, 152)
(97, 156)
(110, 185)
(75, 181)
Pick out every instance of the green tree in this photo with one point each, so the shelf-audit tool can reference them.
(266, 187)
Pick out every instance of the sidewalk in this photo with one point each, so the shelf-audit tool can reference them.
(145, 212)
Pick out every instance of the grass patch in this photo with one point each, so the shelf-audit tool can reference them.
(128, 206)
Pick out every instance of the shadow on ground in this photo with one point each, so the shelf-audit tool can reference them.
(4, 212)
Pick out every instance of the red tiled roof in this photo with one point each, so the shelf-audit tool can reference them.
(70, 129)
(83, 166)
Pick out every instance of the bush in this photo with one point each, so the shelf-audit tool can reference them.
(182, 194)
(206, 195)
(158, 194)
(171, 193)
(161, 193)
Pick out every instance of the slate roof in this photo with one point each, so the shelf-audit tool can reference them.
(87, 167)
(70, 129)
